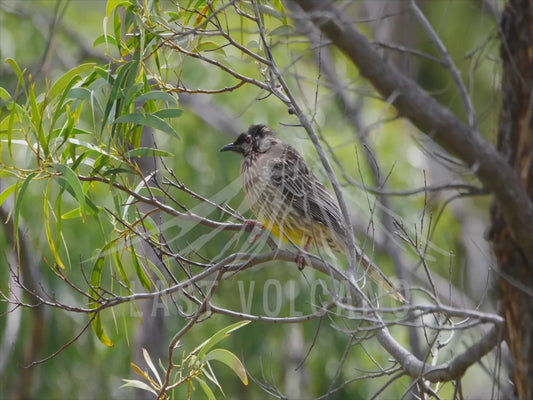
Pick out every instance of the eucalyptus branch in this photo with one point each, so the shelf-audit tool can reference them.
(322, 311)
(179, 185)
(242, 78)
(464, 189)
(153, 201)
(232, 263)
(449, 370)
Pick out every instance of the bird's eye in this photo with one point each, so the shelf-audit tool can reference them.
(249, 139)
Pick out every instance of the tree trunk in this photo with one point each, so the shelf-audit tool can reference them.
(515, 142)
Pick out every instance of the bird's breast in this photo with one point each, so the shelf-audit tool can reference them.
(275, 211)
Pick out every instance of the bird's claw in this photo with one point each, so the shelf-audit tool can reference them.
(300, 261)
(253, 223)
(300, 258)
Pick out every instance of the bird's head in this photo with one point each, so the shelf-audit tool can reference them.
(258, 139)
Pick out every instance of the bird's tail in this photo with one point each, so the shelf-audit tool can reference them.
(379, 277)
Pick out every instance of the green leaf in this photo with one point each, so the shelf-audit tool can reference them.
(138, 385)
(4, 94)
(148, 120)
(231, 360)
(35, 112)
(20, 74)
(117, 28)
(18, 201)
(168, 113)
(79, 131)
(253, 44)
(132, 93)
(54, 248)
(159, 274)
(74, 183)
(80, 93)
(91, 146)
(207, 390)
(96, 281)
(112, 4)
(96, 274)
(147, 152)
(65, 80)
(71, 214)
(60, 111)
(173, 16)
(120, 267)
(156, 95)
(7, 123)
(103, 73)
(209, 374)
(6, 193)
(118, 171)
(278, 5)
(217, 337)
(4, 173)
(118, 85)
(208, 45)
(99, 331)
(105, 39)
(141, 274)
(282, 30)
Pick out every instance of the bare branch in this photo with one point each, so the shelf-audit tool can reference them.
(433, 119)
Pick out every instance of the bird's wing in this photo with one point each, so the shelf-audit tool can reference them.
(294, 179)
(296, 182)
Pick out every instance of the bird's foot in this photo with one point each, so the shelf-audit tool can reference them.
(300, 261)
(300, 258)
(254, 223)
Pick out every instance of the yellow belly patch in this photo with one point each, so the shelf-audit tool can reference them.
(297, 236)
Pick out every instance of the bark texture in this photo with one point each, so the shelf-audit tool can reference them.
(515, 143)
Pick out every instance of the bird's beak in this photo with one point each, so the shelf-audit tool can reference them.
(232, 147)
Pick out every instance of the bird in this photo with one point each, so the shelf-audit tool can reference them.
(290, 201)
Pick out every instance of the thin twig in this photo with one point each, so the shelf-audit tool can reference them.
(450, 65)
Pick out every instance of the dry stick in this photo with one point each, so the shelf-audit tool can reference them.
(63, 347)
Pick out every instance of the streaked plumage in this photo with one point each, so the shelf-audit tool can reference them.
(289, 199)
